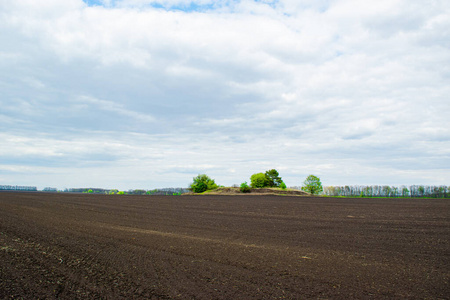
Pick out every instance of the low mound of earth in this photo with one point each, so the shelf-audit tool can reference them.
(255, 191)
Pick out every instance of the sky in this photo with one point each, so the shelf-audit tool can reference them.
(148, 94)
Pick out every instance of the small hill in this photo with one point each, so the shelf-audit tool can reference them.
(254, 191)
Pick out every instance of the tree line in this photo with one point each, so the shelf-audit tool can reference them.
(17, 188)
(425, 191)
(162, 191)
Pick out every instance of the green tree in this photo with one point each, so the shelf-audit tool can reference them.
(405, 192)
(312, 185)
(258, 180)
(202, 183)
(283, 185)
(421, 191)
(273, 178)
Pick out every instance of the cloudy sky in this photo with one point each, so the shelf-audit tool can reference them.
(146, 94)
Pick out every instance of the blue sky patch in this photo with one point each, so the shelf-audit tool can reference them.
(191, 7)
(93, 2)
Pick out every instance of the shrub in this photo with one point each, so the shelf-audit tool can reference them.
(199, 187)
(202, 183)
(283, 185)
(245, 188)
(258, 180)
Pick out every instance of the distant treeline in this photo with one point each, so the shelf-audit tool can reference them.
(17, 188)
(428, 191)
(49, 189)
(167, 191)
(163, 191)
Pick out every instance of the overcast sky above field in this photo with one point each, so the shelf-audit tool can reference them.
(145, 94)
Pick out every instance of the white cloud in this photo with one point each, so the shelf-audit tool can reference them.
(114, 107)
(324, 87)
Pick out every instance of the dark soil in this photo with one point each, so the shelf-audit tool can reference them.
(71, 246)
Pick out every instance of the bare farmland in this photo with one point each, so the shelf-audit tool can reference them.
(222, 247)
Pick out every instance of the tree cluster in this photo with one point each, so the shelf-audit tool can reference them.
(270, 178)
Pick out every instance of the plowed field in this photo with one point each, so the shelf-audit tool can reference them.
(72, 246)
